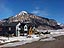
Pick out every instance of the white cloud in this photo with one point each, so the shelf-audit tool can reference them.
(39, 12)
(35, 11)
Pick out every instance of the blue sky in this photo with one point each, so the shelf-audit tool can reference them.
(53, 9)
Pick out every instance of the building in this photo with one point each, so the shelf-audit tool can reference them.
(25, 27)
(10, 28)
(15, 28)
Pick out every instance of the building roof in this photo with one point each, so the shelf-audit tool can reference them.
(10, 24)
(15, 23)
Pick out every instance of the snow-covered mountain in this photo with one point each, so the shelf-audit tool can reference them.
(39, 21)
(23, 13)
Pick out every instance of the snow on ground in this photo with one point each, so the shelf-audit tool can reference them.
(50, 36)
(54, 34)
(23, 40)
(6, 39)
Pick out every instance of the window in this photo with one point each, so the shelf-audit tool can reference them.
(9, 28)
(25, 28)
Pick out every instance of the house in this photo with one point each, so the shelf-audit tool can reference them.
(15, 28)
(10, 28)
(25, 27)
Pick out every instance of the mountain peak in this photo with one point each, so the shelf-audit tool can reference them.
(37, 21)
(23, 13)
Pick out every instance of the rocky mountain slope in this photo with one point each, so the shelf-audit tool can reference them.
(38, 21)
(62, 25)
